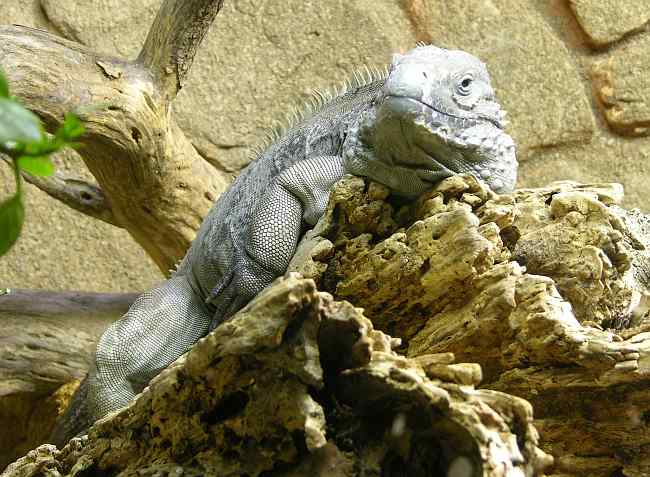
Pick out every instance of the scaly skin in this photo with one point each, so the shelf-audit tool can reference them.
(434, 115)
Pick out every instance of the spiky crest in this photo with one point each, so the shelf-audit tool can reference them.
(316, 102)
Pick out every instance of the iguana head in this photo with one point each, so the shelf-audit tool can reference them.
(436, 116)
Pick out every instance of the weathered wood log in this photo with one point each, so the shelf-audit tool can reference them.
(297, 384)
(523, 284)
(545, 288)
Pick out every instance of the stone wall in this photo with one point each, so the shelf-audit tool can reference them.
(573, 75)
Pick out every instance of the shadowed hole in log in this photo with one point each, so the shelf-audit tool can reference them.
(230, 406)
(549, 200)
(299, 443)
(410, 443)
(404, 432)
(408, 436)
(294, 326)
(510, 236)
(645, 417)
(93, 471)
(136, 135)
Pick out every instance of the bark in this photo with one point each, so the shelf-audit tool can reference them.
(158, 186)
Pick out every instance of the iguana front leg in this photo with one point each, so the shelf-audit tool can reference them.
(299, 193)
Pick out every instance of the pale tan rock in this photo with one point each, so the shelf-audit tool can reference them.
(623, 88)
(607, 21)
(531, 68)
(111, 27)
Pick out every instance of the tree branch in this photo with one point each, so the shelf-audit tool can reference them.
(75, 193)
(46, 338)
(173, 39)
(158, 186)
(44, 303)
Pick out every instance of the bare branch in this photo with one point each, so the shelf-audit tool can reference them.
(159, 188)
(45, 303)
(174, 38)
(77, 194)
(46, 338)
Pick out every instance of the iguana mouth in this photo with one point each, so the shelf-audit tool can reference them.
(496, 122)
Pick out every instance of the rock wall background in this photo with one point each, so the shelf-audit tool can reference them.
(573, 75)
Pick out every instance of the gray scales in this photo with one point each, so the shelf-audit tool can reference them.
(431, 115)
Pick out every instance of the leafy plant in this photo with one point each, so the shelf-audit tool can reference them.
(24, 141)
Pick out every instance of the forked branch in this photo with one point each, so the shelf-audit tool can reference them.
(158, 186)
(173, 39)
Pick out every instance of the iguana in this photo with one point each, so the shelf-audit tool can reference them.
(432, 114)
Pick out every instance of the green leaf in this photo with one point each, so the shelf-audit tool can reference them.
(12, 215)
(36, 165)
(44, 147)
(72, 127)
(4, 86)
(17, 124)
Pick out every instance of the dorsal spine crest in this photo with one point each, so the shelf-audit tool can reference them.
(361, 77)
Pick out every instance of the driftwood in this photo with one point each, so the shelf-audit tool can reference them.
(297, 384)
(545, 288)
(46, 340)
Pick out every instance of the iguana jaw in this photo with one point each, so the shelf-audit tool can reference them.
(422, 144)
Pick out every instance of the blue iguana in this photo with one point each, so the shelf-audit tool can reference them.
(432, 114)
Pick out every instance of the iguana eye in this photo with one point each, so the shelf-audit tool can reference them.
(465, 84)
